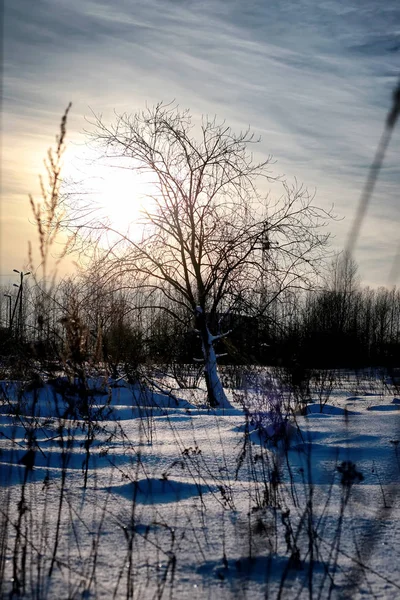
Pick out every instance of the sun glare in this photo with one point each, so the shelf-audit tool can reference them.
(118, 194)
(121, 197)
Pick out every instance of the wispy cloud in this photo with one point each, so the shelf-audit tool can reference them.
(314, 79)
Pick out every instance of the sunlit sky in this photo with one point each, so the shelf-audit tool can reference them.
(313, 79)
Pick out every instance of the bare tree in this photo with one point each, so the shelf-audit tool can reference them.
(210, 243)
(343, 274)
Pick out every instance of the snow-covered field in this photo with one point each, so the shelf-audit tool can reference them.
(127, 493)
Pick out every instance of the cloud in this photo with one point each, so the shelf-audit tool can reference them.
(314, 79)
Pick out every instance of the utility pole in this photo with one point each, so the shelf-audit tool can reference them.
(19, 297)
(9, 310)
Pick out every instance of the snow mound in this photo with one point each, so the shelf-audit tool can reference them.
(140, 395)
(155, 491)
(143, 396)
(272, 433)
(328, 409)
(385, 407)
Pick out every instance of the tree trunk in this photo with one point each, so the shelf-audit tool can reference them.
(215, 392)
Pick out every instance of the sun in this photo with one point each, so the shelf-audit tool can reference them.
(121, 195)
(117, 194)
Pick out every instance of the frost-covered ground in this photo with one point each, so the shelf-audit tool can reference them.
(126, 493)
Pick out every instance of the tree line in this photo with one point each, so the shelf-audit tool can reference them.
(341, 324)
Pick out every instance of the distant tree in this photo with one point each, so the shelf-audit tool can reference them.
(342, 286)
(331, 316)
(211, 244)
